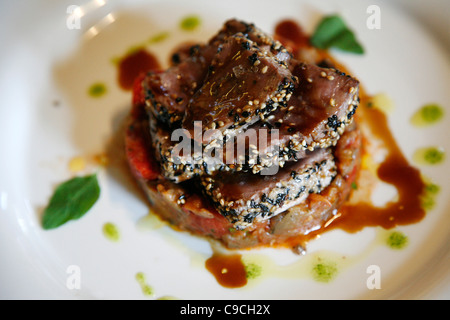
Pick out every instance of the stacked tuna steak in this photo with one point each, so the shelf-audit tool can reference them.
(237, 134)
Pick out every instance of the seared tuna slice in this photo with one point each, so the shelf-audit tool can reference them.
(175, 169)
(244, 198)
(250, 31)
(168, 93)
(180, 157)
(244, 83)
(321, 107)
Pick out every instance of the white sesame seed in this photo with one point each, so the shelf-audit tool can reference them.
(332, 102)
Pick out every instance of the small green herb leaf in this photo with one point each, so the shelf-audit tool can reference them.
(333, 33)
(71, 200)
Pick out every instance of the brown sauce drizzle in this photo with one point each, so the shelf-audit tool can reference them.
(133, 64)
(395, 169)
(291, 35)
(228, 270)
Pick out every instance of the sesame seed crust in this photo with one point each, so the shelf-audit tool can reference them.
(245, 198)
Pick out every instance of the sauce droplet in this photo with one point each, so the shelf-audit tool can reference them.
(324, 271)
(190, 23)
(253, 270)
(427, 115)
(429, 155)
(397, 240)
(146, 289)
(159, 37)
(228, 270)
(133, 64)
(291, 35)
(97, 90)
(382, 102)
(111, 232)
(429, 198)
(77, 164)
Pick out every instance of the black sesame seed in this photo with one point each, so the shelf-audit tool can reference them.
(150, 94)
(333, 122)
(248, 27)
(194, 49)
(268, 125)
(350, 114)
(246, 45)
(264, 208)
(253, 58)
(249, 218)
(176, 58)
(325, 63)
(302, 189)
(280, 198)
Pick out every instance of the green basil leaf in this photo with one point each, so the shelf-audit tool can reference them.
(71, 200)
(333, 33)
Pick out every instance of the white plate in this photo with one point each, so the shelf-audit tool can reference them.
(47, 118)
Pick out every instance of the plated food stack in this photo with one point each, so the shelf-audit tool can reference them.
(241, 142)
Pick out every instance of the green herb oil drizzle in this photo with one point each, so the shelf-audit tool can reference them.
(190, 23)
(429, 155)
(111, 232)
(97, 90)
(397, 240)
(146, 289)
(427, 115)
